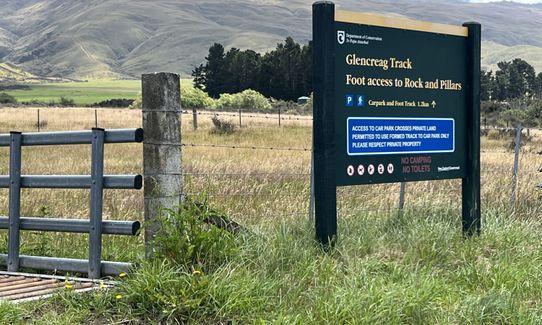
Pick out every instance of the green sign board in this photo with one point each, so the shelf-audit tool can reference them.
(400, 101)
(395, 100)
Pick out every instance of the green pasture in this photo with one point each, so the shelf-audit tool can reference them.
(83, 93)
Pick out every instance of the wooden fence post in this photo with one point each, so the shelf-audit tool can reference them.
(195, 118)
(401, 205)
(161, 147)
(517, 147)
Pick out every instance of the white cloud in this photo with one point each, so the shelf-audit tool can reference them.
(518, 1)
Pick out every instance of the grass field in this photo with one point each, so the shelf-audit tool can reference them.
(83, 93)
(387, 268)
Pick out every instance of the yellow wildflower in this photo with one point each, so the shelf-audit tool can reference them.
(118, 296)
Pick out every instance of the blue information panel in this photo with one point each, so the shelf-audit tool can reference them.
(383, 136)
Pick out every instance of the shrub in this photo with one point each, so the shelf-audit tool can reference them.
(222, 126)
(494, 134)
(116, 102)
(64, 102)
(195, 98)
(227, 101)
(249, 98)
(253, 99)
(136, 104)
(7, 99)
(42, 124)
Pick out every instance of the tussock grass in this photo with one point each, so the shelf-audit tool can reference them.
(386, 268)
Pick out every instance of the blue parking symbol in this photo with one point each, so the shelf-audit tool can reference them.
(360, 101)
(349, 100)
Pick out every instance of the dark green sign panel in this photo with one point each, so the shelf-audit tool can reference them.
(400, 104)
(394, 100)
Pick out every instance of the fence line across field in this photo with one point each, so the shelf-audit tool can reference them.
(514, 170)
(163, 176)
(266, 116)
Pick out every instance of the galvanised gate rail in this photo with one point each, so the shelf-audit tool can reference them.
(96, 182)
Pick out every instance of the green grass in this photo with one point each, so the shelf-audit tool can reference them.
(83, 93)
(385, 270)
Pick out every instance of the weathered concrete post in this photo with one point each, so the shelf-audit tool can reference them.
(161, 148)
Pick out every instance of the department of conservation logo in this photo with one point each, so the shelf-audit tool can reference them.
(341, 36)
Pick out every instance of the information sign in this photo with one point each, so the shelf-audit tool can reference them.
(395, 100)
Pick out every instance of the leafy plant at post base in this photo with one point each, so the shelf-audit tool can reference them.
(222, 126)
(175, 284)
(159, 291)
(186, 239)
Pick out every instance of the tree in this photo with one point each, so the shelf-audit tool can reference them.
(284, 73)
(215, 75)
(487, 82)
(538, 86)
(200, 79)
(306, 69)
(514, 79)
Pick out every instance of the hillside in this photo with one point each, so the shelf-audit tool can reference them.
(88, 39)
(13, 74)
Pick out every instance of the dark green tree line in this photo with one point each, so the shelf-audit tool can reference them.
(286, 73)
(514, 79)
(283, 73)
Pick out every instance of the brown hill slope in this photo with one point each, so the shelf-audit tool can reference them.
(119, 38)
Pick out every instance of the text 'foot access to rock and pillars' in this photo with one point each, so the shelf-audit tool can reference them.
(395, 100)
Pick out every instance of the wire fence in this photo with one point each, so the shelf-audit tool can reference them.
(258, 183)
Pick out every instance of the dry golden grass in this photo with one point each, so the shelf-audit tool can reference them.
(253, 186)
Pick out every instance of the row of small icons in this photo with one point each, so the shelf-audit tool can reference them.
(380, 169)
(355, 100)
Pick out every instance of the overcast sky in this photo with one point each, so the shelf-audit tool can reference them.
(520, 1)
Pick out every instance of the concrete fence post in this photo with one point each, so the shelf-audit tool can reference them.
(161, 147)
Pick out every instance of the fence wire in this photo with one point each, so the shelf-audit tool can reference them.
(281, 182)
(264, 116)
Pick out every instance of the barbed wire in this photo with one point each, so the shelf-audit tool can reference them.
(244, 174)
(265, 116)
(244, 147)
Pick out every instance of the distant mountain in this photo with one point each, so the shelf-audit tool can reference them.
(88, 39)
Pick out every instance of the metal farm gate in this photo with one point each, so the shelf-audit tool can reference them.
(96, 182)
